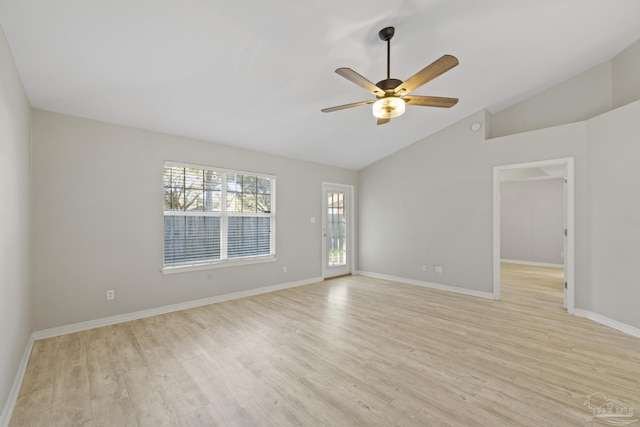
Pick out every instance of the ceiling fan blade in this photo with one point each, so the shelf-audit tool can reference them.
(428, 73)
(345, 106)
(356, 78)
(430, 101)
(383, 121)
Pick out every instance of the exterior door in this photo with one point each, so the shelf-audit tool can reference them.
(336, 230)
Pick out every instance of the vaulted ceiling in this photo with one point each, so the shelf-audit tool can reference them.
(255, 74)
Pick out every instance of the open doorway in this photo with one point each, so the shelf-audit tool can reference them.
(539, 245)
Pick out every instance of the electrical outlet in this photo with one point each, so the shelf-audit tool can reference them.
(439, 269)
(284, 268)
(111, 295)
(424, 267)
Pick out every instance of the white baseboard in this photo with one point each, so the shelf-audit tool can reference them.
(7, 411)
(112, 320)
(604, 320)
(449, 288)
(537, 264)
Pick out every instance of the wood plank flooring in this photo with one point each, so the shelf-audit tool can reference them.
(352, 351)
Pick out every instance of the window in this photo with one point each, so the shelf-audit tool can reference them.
(213, 216)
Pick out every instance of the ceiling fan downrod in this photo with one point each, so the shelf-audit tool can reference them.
(388, 85)
(386, 34)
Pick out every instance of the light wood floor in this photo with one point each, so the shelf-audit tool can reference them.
(349, 351)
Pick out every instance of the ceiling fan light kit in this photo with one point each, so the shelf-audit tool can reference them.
(390, 93)
(388, 107)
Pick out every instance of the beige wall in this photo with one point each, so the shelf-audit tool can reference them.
(587, 95)
(532, 220)
(98, 220)
(626, 69)
(580, 98)
(614, 177)
(15, 282)
(431, 203)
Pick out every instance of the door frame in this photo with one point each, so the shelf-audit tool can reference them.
(349, 191)
(569, 255)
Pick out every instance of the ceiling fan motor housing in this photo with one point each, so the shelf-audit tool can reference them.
(388, 85)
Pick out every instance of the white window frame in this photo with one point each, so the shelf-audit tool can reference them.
(224, 261)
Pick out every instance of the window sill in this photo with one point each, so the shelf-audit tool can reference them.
(218, 264)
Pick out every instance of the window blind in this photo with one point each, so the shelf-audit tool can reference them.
(214, 215)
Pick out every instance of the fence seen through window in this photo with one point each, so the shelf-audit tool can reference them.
(211, 215)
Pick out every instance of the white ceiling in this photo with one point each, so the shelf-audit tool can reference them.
(256, 74)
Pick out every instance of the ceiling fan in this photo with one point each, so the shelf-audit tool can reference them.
(393, 94)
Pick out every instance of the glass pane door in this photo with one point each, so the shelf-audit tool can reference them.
(336, 230)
